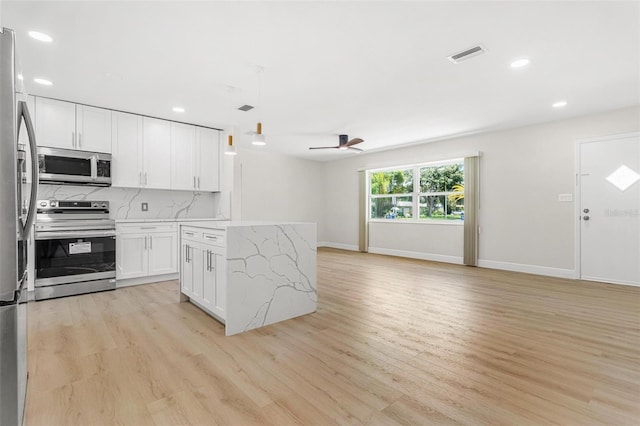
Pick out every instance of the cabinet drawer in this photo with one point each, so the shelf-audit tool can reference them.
(216, 238)
(149, 227)
(191, 234)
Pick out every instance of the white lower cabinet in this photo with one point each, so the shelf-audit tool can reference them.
(203, 270)
(146, 249)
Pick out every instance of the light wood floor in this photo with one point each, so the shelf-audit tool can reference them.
(394, 341)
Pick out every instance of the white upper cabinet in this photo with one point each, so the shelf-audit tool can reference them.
(62, 124)
(183, 152)
(156, 136)
(55, 123)
(207, 159)
(93, 126)
(195, 155)
(126, 144)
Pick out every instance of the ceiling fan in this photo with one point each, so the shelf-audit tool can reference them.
(343, 143)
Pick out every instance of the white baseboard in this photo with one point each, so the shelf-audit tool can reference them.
(337, 245)
(145, 280)
(417, 255)
(528, 269)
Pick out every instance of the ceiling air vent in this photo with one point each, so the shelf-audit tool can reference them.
(456, 58)
(245, 108)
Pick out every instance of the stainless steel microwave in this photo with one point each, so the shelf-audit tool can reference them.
(72, 167)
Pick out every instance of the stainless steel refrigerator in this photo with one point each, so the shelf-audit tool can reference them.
(17, 205)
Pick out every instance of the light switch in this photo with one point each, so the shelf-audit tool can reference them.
(565, 198)
(145, 207)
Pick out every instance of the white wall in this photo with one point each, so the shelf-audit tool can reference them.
(270, 186)
(523, 225)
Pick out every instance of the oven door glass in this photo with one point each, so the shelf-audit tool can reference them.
(75, 256)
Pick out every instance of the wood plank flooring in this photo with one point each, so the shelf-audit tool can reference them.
(394, 341)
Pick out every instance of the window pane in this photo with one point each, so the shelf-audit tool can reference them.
(442, 207)
(392, 182)
(392, 208)
(441, 178)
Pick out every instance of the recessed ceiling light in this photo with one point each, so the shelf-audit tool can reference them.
(520, 63)
(42, 81)
(559, 104)
(41, 36)
(178, 109)
(20, 77)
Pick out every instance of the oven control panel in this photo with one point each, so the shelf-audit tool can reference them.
(72, 205)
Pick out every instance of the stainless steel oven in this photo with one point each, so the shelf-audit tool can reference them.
(75, 249)
(68, 166)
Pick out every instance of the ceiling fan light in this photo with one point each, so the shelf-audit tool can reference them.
(343, 148)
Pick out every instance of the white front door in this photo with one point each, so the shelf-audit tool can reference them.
(609, 172)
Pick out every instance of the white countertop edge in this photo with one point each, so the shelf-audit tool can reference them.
(240, 223)
(179, 220)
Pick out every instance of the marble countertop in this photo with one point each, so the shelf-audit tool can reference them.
(203, 219)
(237, 223)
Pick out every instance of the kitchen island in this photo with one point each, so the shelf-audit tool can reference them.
(249, 274)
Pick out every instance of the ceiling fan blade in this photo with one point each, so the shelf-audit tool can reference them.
(324, 147)
(355, 141)
(355, 149)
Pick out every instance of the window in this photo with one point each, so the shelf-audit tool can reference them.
(422, 192)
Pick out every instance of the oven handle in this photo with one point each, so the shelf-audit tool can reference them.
(48, 235)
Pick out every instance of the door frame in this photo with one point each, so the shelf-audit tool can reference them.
(578, 201)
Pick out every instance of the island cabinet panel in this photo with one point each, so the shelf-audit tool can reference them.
(202, 275)
(249, 275)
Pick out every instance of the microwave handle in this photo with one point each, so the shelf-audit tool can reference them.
(23, 112)
(94, 167)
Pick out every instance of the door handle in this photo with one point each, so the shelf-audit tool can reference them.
(585, 217)
(79, 140)
(73, 139)
(23, 112)
(145, 242)
(151, 242)
(94, 167)
(198, 182)
(208, 261)
(194, 182)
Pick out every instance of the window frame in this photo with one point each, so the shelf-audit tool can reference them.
(415, 195)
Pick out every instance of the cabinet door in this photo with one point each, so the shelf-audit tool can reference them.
(186, 269)
(208, 159)
(55, 123)
(126, 144)
(156, 153)
(183, 139)
(209, 279)
(93, 128)
(200, 265)
(131, 255)
(162, 253)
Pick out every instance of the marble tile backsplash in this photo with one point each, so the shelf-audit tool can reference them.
(125, 203)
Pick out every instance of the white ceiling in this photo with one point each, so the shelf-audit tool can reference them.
(375, 70)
